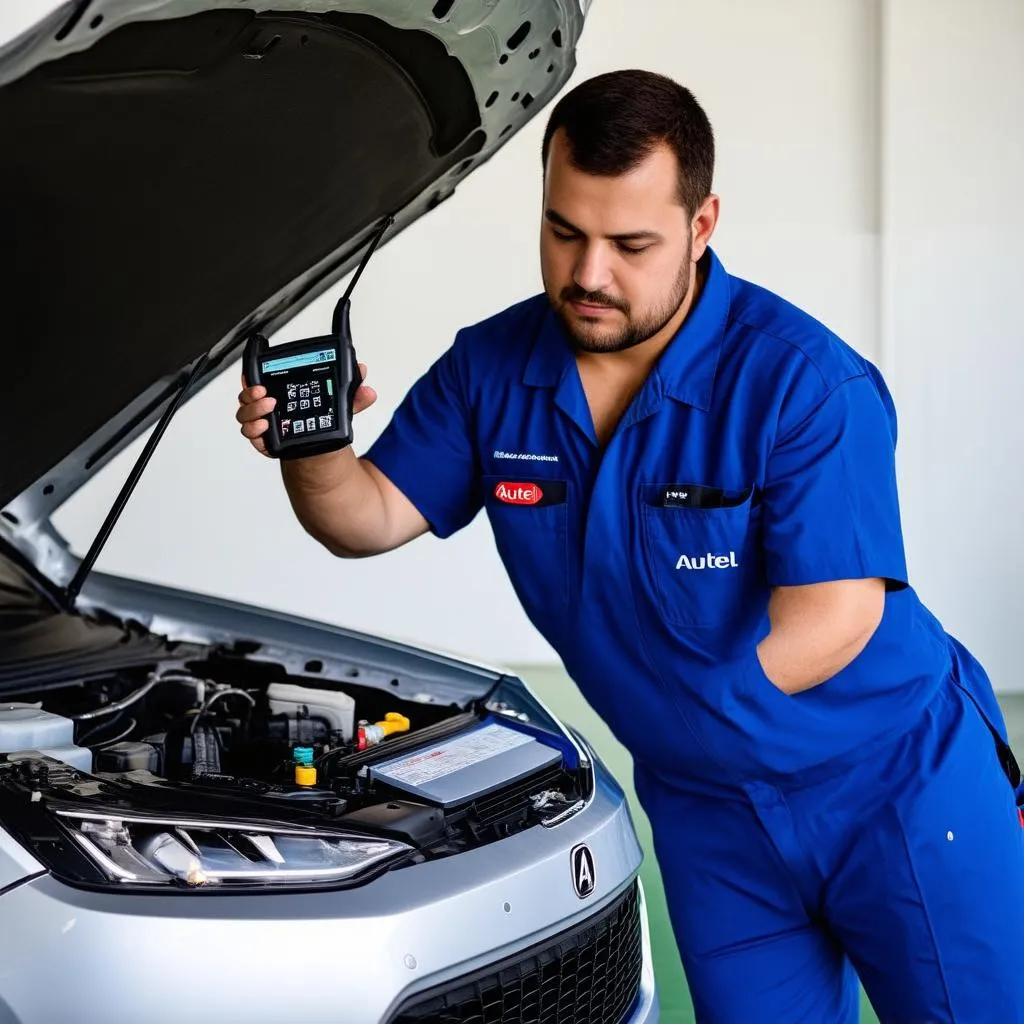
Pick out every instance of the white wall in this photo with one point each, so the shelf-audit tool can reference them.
(954, 260)
(792, 88)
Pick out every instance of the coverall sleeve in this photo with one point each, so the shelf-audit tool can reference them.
(831, 509)
(427, 448)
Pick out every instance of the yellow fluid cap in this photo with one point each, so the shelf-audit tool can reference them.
(394, 722)
(305, 775)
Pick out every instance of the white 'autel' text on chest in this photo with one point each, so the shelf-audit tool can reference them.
(708, 561)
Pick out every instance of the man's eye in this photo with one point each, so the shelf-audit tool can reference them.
(562, 236)
(633, 250)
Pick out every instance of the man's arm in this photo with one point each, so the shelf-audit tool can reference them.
(349, 506)
(342, 501)
(819, 629)
(831, 531)
(419, 475)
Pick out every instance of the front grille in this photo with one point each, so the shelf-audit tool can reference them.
(589, 975)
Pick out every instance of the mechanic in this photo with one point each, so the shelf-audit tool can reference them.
(691, 484)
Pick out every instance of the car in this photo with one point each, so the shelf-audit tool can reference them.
(208, 810)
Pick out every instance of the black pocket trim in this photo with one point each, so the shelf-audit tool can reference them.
(699, 496)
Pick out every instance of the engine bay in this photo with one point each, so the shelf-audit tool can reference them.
(229, 738)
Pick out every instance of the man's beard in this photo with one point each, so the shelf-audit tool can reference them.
(592, 337)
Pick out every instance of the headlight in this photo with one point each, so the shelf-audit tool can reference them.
(155, 851)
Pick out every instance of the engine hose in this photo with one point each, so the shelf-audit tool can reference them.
(134, 696)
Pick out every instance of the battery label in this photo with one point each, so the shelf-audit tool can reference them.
(453, 755)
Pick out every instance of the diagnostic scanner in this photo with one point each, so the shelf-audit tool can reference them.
(314, 381)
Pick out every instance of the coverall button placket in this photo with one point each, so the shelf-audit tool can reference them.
(611, 489)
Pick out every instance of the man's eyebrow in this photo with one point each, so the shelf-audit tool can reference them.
(627, 236)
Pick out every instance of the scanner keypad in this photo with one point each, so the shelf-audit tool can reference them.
(306, 408)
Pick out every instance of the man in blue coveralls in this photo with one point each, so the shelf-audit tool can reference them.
(692, 486)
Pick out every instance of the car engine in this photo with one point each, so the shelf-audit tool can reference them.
(242, 739)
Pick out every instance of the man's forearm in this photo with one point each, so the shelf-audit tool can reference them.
(338, 502)
(795, 660)
(818, 630)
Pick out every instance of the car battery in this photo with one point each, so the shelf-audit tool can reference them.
(466, 766)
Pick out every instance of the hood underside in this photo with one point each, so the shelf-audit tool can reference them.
(173, 175)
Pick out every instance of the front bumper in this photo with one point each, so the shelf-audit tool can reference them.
(592, 973)
(353, 957)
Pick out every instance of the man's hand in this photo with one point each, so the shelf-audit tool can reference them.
(818, 630)
(254, 405)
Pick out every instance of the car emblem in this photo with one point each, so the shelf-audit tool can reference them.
(583, 876)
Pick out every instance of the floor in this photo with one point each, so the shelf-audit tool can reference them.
(556, 690)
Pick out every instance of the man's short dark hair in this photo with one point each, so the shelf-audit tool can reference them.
(613, 121)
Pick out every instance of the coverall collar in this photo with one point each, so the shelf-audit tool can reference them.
(686, 369)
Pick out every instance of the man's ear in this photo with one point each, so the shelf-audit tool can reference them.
(703, 225)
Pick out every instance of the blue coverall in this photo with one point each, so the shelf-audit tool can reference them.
(866, 825)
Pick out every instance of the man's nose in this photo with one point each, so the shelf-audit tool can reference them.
(593, 270)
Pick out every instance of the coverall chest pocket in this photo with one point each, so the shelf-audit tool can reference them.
(703, 559)
(529, 518)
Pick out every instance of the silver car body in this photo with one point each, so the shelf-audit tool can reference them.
(353, 956)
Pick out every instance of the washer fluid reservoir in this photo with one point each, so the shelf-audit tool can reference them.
(26, 727)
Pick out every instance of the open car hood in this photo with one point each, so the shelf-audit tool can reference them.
(177, 173)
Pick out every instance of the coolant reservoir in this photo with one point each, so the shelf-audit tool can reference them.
(29, 727)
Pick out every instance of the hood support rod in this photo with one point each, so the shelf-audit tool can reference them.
(73, 588)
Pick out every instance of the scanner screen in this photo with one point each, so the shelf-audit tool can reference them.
(303, 385)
